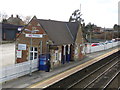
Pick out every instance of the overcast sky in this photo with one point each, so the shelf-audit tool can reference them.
(103, 13)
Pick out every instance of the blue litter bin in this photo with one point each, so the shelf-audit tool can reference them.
(43, 59)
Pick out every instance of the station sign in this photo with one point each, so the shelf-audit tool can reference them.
(21, 46)
(34, 35)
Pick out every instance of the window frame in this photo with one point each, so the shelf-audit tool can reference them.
(34, 52)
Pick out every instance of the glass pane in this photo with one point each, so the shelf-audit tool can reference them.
(31, 48)
(35, 49)
(35, 55)
(31, 56)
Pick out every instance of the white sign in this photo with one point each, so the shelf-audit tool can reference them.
(34, 35)
(21, 46)
(19, 53)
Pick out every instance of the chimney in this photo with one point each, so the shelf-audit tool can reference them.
(17, 16)
(12, 15)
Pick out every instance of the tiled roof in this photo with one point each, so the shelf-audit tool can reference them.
(60, 32)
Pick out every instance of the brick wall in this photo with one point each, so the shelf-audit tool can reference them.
(33, 25)
(79, 45)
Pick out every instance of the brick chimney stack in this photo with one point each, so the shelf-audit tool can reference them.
(17, 16)
(12, 15)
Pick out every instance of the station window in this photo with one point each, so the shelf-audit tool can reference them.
(33, 53)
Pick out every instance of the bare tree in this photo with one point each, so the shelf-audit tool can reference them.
(27, 19)
(3, 16)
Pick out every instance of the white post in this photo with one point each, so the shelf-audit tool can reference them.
(69, 49)
(64, 49)
(64, 53)
(40, 47)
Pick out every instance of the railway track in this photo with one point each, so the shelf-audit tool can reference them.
(89, 76)
(99, 78)
(104, 79)
(113, 83)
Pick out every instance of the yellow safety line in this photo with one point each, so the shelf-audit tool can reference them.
(86, 63)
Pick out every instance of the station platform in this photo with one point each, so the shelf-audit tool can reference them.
(39, 78)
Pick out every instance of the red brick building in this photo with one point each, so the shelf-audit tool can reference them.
(63, 40)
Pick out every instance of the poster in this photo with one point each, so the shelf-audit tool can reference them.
(19, 53)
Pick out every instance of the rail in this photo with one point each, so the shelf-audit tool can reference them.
(99, 76)
(91, 73)
(111, 80)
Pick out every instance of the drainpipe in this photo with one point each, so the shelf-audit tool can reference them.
(40, 47)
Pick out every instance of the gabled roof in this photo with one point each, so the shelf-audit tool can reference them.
(60, 32)
(73, 26)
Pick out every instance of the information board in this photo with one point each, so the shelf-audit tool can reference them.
(21, 46)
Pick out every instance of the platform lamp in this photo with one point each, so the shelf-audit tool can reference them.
(32, 31)
(105, 38)
(90, 41)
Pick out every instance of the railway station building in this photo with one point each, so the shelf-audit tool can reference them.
(62, 41)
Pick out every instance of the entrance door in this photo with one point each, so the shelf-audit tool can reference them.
(33, 53)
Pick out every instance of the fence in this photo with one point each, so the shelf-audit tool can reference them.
(17, 70)
(90, 49)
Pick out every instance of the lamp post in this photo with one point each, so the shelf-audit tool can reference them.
(90, 39)
(105, 38)
(32, 31)
(112, 37)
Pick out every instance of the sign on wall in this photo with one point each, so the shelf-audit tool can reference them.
(34, 35)
(19, 53)
(21, 46)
